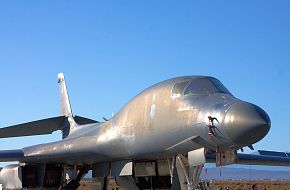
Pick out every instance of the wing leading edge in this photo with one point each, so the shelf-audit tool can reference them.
(11, 155)
(270, 158)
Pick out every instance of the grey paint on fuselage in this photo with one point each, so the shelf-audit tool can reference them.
(149, 124)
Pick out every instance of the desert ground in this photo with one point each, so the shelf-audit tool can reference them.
(231, 185)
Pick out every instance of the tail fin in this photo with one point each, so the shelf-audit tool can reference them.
(65, 108)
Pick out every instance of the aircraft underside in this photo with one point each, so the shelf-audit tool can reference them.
(178, 172)
(161, 174)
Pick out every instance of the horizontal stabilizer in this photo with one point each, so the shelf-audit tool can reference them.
(40, 127)
(83, 121)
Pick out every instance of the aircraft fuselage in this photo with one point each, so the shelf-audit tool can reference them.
(155, 123)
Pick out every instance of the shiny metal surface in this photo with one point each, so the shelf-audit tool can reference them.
(11, 177)
(246, 123)
(150, 124)
(158, 123)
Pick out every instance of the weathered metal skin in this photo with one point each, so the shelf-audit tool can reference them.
(10, 177)
(154, 121)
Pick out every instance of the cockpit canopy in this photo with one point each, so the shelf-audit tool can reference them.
(200, 86)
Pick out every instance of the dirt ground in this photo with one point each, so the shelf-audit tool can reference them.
(247, 185)
(232, 185)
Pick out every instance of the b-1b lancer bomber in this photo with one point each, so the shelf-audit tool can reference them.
(160, 139)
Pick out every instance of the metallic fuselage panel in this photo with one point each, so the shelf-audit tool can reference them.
(145, 128)
(149, 124)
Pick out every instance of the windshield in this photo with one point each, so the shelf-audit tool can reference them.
(178, 89)
(205, 86)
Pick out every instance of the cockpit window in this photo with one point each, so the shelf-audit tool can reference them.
(205, 86)
(178, 88)
(220, 87)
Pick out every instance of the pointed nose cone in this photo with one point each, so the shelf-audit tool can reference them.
(246, 123)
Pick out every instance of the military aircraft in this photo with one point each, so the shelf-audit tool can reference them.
(160, 139)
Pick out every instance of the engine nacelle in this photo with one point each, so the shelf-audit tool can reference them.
(30, 176)
(11, 177)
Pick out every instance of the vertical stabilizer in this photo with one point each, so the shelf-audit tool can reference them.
(65, 108)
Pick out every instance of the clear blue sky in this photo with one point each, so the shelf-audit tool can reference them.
(111, 50)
